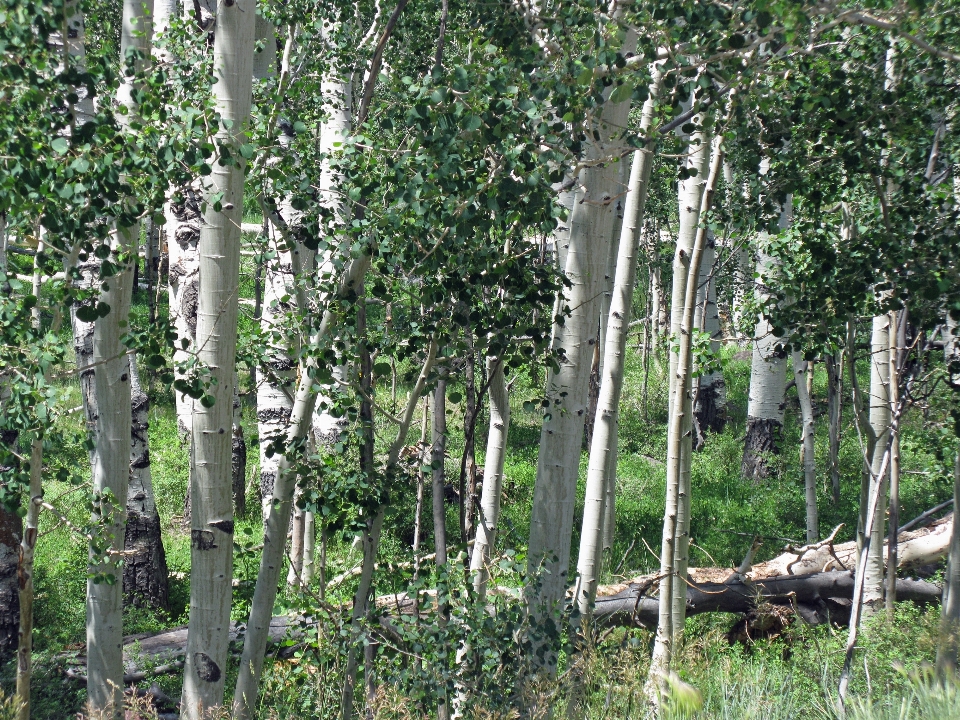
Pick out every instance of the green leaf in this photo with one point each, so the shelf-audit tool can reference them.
(455, 397)
(622, 92)
(473, 123)
(60, 145)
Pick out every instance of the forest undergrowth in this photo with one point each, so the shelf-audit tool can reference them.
(787, 673)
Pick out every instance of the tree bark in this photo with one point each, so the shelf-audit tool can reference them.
(11, 535)
(25, 568)
(710, 392)
(880, 418)
(145, 563)
(768, 380)
(437, 474)
(834, 365)
(491, 493)
(676, 522)
(111, 468)
(601, 473)
(551, 523)
(211, 522)
(801, 368)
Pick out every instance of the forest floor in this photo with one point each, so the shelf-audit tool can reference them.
(788, 672)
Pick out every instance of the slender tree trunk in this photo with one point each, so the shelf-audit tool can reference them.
(25, 569)
(371, 538)
(894, 519)
(801, 370)
(768, 380)
(211, 522)
(468, 478)
(601, 472)
(670, 622)
(145, 562)
(710, 392)
(297, 531)
(551, 522)
(437, 474)
(834, 365)
(692, 189)
(880, 423)
(491, 493)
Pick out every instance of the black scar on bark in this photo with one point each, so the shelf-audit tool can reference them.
(207, 669)
(202, 540)
(223, 526)
(762, 443)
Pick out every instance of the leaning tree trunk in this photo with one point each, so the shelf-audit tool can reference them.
(801, 368)
(112, 437)
(211, 521)
(145, 563)
(25, 578)
(880, 417)
(601, 472)
(490, 495)
(558, 464)
(709, 390)
(768, 380)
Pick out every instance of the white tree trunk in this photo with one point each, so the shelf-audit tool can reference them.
(690, 197)
(601, 473)
(768, 380)
(673, 565)
(880, 417)
(111, 467)
(801, 368)
(211, 522)
(551, 522)
(490, 495)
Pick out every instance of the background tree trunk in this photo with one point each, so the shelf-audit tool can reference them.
(490, 496)
(834, 365)
(768, 381)
(437, 475)
(801, 371)
(709, 390)
(211, 562)
(145, 564)
(880, 418)
(11, 535)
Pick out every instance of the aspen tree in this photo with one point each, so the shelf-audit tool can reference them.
(558, 460)
(801, 368)
(880, 419)
(11, 533)
(211, 562)
(672, 568)
(768, 380)
(490, 495)
(691, 194)
(601, 471)
(112, 416)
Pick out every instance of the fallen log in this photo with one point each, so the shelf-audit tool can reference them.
(817, 597)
